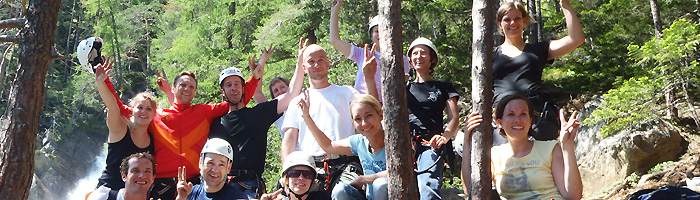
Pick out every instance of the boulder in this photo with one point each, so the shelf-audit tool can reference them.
(635, 150)
(587, 136)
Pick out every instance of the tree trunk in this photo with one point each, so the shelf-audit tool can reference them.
(658, 24)
(532, 9)
(26, 100)
(482, 94)
(401, 178)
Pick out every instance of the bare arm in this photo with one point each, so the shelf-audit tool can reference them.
(116, 124)
(367, 179)
(289, 142)
(560, 47)
(564, 167)
(369, 68)
(165, 86)
(258, 69)
(453, 115)
(259, 96)
(296, 82)
(344, 47)
(473, 122)
(331, 147)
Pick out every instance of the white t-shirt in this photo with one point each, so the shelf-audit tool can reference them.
(330, 109)
(279, 123)
(102, 193)
(357, 55)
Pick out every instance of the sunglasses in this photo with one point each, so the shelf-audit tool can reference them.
(304, 173)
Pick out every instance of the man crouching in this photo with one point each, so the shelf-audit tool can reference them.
(214, 163)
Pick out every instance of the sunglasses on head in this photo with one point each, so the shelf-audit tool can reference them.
(304, 173)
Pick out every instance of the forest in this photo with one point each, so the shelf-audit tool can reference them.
(641, 56)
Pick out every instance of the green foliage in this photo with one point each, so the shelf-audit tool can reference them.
(660, 61)
(632, 179)
(661, 166)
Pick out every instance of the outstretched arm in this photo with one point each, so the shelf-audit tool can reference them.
(564, 167)
(344, 47)
(296, 82)
(560, 47)
(258, 70)
(473, 122)
(115, 122)
(332, 147)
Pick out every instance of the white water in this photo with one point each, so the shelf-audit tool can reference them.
(88, 183)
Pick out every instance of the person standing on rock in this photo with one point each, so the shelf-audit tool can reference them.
(531, 169)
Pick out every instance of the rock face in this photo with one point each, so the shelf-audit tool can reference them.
(586, 138)
(618, 156)
(61, 163)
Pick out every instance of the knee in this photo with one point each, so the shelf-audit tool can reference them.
(379, 184)
(341, 191)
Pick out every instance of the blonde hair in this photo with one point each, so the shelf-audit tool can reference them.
(284, 181)
(145, 95)
(368, 100)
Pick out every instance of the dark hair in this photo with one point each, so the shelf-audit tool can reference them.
(275, 80)
(501, 106)
(433, 59)
(185, 73)
(515, 5)
(124, 167)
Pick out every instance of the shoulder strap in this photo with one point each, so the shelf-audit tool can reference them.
(113, 195)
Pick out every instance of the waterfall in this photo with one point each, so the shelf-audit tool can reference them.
(88, 183)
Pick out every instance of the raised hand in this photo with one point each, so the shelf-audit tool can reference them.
(335, 7)
(304, 104)
(256, 68)
(265, 53)
(163, 80)
(183, 187)
(102, 70)
(369, 67)
(568, 130)
(302, 46)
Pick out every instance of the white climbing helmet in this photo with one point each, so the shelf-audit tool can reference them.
(426, 42)
(231, 71)
(298, 158)
(89, 53)
(372, 23)
(218, 146)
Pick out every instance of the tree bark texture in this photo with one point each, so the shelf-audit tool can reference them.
(658, 24)
(401, 178)
(532, 9)
(482, 94)
(26, 98)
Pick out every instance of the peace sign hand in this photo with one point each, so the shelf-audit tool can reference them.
(183, 187)
(369, 67)
(568, 130)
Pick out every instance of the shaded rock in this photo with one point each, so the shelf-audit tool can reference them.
(587, 136)
(620, 155)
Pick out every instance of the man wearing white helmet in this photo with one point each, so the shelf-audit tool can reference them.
(357, 54)
(246, 128)
(214, 163)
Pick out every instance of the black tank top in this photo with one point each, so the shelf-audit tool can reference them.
(116, 152)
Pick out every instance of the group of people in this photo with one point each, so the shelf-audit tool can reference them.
(332, 136)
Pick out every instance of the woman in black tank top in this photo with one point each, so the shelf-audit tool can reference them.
(127, 134)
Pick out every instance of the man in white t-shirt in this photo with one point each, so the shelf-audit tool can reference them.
(329, 107)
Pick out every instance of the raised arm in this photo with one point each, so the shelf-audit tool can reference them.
(560, 47)
(331, 147)
(344, 47)
(564, 167)
(116, 124)
(369, 68)
(258, 70)
(165, 86)
(296, 82)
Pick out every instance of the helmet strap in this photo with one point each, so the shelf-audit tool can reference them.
(298, 196)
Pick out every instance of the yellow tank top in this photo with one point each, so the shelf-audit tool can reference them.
(529, 177)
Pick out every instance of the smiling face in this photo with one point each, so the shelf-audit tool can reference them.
(421, 58)
(214, 168)
(297, 182)
(184, 90)
(139, 177)
(278, 88)
(512, 23)
(316, 63)
(516, 120)
(367, 120)
(374, 33)
(143, 112)
(232, 88)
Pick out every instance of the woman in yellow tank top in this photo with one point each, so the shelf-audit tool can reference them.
(527, 169)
